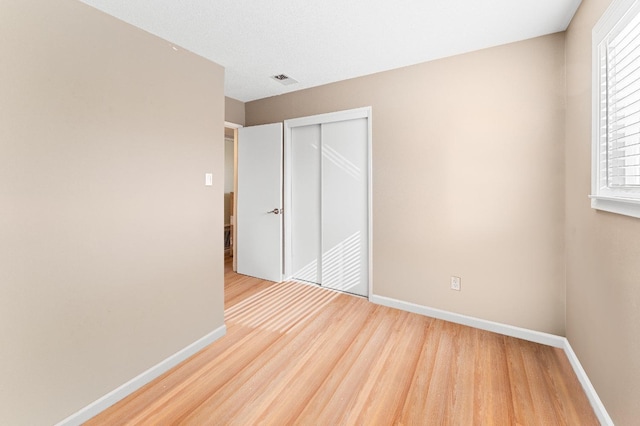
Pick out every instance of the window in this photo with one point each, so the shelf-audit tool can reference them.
(616, 110)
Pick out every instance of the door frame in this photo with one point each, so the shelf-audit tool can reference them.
(351, 114)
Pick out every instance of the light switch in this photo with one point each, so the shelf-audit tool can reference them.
(208, 179)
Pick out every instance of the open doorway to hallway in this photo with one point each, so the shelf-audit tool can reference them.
(230, 185)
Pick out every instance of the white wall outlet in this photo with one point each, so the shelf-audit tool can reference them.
(455, 283)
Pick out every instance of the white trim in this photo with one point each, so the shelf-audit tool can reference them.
(595, 111)
(589, 390)
(231, 125)
(286, 200)
(509, 330)
(616, 10)
(616, 205)
(369, 111)
(142, 379)
(496, 327)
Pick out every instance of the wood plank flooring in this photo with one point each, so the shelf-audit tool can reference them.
(299, 354)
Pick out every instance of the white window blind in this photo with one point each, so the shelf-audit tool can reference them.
(621, 93)
(616, 138)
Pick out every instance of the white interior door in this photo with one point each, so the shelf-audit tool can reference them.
(259, 202)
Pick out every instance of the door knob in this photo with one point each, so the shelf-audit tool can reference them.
(275, 211)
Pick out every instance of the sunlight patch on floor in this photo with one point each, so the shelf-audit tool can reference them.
(280, 307)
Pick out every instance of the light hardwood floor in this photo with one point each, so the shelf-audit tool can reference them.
(299, 354)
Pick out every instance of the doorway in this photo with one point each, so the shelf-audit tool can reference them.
(230, 190)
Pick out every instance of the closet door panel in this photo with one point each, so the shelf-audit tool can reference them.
(344, 206)
(305, 203)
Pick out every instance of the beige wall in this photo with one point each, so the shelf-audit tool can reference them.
(110, 244)
(603, 250)
(234, 111)
(468, 178)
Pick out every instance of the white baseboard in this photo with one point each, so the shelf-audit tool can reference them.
(142, 379)
(509, 330)
(496, 327)
(594, 399)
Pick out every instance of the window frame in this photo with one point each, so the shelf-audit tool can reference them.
(605, 198)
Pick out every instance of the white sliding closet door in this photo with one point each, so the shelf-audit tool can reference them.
(305, 203)
(345, 206)
(327, 170)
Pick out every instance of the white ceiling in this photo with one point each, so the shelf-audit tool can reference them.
(323, 41)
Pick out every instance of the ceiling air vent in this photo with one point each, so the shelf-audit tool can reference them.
(284, 79)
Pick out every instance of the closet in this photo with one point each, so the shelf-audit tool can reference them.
(327, 189)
